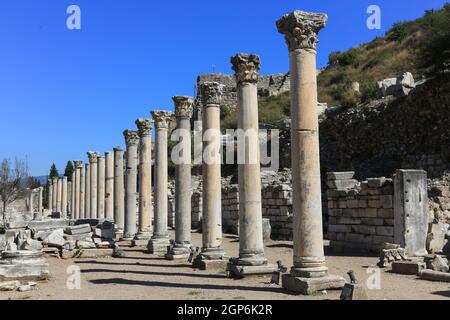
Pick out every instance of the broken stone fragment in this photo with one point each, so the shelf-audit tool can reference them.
(32, 245)
(439, 264)
(9, 285)
(55, 239)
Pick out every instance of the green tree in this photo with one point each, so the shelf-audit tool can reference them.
(69, 170)
(53, 172)
(33, 183)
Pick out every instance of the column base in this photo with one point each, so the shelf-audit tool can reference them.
(141, 239)
(211, 260)
(237, 270)
(158, 246)
(178, 252)
(308, 286)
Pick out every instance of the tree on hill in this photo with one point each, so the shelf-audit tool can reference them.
(69, 170)
(11, 177)
(33, 183)
(53, 172)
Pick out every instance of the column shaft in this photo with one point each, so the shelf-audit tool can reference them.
(119, 189)
(109, 186)
(64, 197)
(132, 141)
(82, 206)
(60, 193)
(87, 192)
(101, 188)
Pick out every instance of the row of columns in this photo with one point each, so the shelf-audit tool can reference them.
(58, 200)
(309, 269)
(32, 193)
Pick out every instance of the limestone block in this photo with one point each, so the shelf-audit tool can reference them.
(376, 182)
(439, 264)
(55, 239)
(374, 203)
(385, 213)
(385, 231)
(363, 229)
(342, 184)
(32, 245)
(339, 228)
(372, 221)
(340, 175)
(79, 229)
(408, 267)
(9, 285)
(387, 201)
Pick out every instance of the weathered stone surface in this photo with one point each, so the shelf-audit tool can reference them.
(55, 239)
(354, 291)
(432, 275)
(435, 241)
(237, 271)
(78, 229)
(439, 264)
(408, 267)
(340, 175)
(31, 244)
(400, 86)
(310, 286)
(9, 285)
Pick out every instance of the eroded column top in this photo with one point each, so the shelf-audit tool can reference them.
(131, 137)
(246, 67)
(78, 164)
(93, 156)
(145, 127)
(162, 118)
(118, 149)
(211, 93)
(300, 29)
(183, 107)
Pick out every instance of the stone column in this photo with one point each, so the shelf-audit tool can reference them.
(145, 127)
(309, 272)
(160, 239)
(40, 200)
(60, 194)
(76, 206)
(182, 244)
(55, 194)
(31, 200)
(72, 193)
(64, 197)
(132, 142)
(50, 194)
(101, 188)
(212, 255)
(93, 161)
(251, 245)
(82, 208)
(109, 186)
(119, 189)
(87, 191)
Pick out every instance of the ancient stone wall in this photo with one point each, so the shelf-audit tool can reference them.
(277, 207)
(361, 214)
(230, 209)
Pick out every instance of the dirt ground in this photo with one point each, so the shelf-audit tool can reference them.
(141, 276)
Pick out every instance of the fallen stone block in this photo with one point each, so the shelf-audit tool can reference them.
(432, 275)
(94, 253)
(55, 239)
(340, 175)
(9, 285)
(85, 244)
(78, 229)
(408, 267)
(437, 263)
(32, 245)
(77, 237)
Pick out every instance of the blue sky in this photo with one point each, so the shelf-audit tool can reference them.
(64, 92)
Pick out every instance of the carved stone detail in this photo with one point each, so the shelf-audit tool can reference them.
(246, 67)
(183, 106)
(211, 93)
(301, 28)
(131, 137)
(162, 118)
(93, 156)
(145, 126)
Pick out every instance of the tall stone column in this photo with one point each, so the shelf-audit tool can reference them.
(31, 200)
(82, 208)
(132, 142)
(160, 239)
(145, 127)
(109, 186)
(64, 197)
(251, 245)
(60, 194)
(93, 199)
(212, 255)
(101, 188)
(72, 193)
(182, 244)
(40, 200)
(55, 194)
(119, 189)
(76, 206)
(309, 272)
(87, 191)
(50, 194)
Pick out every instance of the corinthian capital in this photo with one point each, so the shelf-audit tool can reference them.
(211, 93)
(246, 67)
(183, 106)
(93, 156)
(131, 137)
(162, 118)
(145, 126)
(301, 28)
(78, 164)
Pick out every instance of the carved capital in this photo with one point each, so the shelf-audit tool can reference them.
(78, 164)
(246, 67)
(300, 29)
(131, 137)
(211, 93)
(93, 156)
(162, 118)
(145, 126)
(183, 106)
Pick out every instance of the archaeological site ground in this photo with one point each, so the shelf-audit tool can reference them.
(311, 165)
